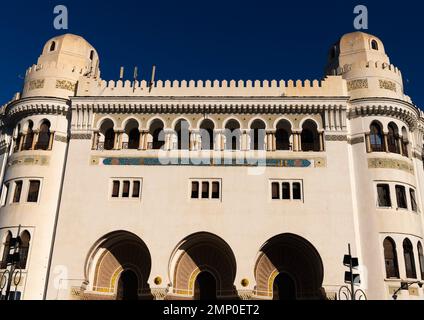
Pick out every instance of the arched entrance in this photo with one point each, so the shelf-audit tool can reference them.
(203, 266)
(284, 288)
(288, 267)
(118, 268)
(127, 286)
(205, 287)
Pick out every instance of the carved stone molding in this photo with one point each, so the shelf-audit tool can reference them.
(60, 139)
(377, 163)
(337, 138)
(81, 136)
(388, 85)
(356, 140)
(245, 294)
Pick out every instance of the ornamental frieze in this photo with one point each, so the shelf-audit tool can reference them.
(65, 85)
(223, 162)
(337, 138)
(30, 161)
(388, 85)
(390, 164)
(356, 140)
(36, 84)
(357, 84)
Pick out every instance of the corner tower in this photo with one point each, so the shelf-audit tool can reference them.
(362, 61)
(63, 61)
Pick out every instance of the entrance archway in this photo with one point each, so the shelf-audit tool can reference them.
(118, 267)
(195, 260)
(284, 287)
(127, 286)
(205, 287)
(289, 267)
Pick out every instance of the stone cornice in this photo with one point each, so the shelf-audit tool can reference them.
(385, 107)
(209, 104)
(38, 105)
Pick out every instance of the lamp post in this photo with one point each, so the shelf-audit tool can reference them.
(14, 275)
(405, 285)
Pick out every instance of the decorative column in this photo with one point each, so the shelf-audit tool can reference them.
(321, 141)
(21, 142)
(386, 141)
(169, 134)
(51, 141)
(246, 141)
(95, 140)
(118, 140)
(296, 141)
(141, 139)
(368, 142)
(35, 140)
(218, 140)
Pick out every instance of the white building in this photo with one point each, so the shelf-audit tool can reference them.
(116, 193)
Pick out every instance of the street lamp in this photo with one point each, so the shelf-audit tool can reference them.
(405, 286)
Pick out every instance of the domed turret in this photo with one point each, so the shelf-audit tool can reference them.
(63, 61)
(362, 60)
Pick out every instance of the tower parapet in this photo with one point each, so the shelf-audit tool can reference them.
(361, 59)
(64, 60)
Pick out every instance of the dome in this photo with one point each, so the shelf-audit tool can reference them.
(356, 47)
(69, 50)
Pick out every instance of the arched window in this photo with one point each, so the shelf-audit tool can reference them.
(282, 135)
(156, 128)
(374, 45)
(108, 133)
(310, 137)
(257, 135)
(390, 258)
(133, 134)
(393, 138)
(91, 55)
(183, 135)
(376, 138)
(43, 141)
(24, 249)
(421, 258)
(207, 134)
(53, 46)
(29, 137)
(6, 250)
(232, 135)
(408, 253)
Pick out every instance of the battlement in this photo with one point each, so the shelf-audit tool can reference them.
(370, 65)
(330, 86)
(57, 67)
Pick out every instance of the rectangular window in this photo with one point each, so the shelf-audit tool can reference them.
(413, 200)
(195, 190)
(115, 189)
(205, 190)
(215, 190)
(275, 191)
(286, 191)
(383, 194)
(297, 191)
(34, 190)
(18, 191)
(401, 197)
(136, 189)
(126, 189)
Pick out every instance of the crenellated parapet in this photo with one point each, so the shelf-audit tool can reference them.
(332, 86)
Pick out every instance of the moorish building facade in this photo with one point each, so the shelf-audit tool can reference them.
(211, 189)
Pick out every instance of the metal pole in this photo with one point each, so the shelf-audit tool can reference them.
(352, 285)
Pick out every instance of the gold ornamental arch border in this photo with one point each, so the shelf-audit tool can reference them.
(209, 253)
(267, 270)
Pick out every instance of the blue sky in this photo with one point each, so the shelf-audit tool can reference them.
(211, 39)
